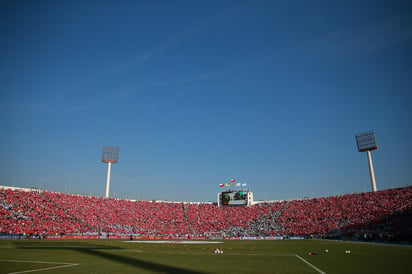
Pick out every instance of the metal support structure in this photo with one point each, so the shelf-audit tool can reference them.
(366, 142)
(109, 165)
(371, 171)
(110, 155)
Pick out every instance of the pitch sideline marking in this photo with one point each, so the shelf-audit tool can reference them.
(39, 262)
(309, 264)
(236, 254)
(173, 242)
(50, 246)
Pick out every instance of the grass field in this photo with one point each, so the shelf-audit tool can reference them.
(118, 256)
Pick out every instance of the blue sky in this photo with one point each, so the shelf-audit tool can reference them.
(194, 93)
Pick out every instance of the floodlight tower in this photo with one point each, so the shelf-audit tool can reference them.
(110, 155)
(366, 142)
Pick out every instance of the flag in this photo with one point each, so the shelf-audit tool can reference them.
(221, 185)
(232, 180)
(227, 184)
(244, 184)
(238, 184)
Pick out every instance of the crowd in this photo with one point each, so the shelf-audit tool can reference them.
(44, 212)
(322, 215)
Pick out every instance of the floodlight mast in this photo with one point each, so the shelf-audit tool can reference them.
(110, 155)
(109, 166)
(371, 171)
(366, 142)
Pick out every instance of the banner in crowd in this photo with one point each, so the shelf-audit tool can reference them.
(12, 237)
(104, 237)
(296, 238)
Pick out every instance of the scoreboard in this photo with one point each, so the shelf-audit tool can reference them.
(235, 198)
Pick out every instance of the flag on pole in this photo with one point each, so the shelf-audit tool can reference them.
(232, 180)
(238, 184)
(221, 185)
(244, 184)
(227, 184)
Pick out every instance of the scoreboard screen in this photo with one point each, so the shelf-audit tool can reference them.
(234, 198)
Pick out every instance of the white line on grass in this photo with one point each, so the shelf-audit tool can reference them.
(39, 262)
(309, 264)
(211, 254)
(52, 246)
(117, 250)
(368, 243)
(174, 242)
(241, 254)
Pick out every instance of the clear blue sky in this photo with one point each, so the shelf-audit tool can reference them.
(195, 93)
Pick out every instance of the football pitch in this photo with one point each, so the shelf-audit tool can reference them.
(120, 256)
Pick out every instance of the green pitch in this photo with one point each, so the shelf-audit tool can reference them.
(118, 256)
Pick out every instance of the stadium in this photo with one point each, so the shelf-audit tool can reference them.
(285, 235)
(134, 235)
(382, 215)
(236, 122)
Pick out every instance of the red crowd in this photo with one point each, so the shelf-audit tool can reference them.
(323, 215)
(43, 212)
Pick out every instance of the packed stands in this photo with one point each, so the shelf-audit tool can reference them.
(47, 213)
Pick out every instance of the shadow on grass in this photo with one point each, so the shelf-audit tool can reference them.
(94, 251)
(138, 263)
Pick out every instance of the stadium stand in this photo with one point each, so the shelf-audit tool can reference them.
(386, 214)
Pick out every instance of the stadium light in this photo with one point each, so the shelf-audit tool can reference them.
(366, 142)
(110, 155)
